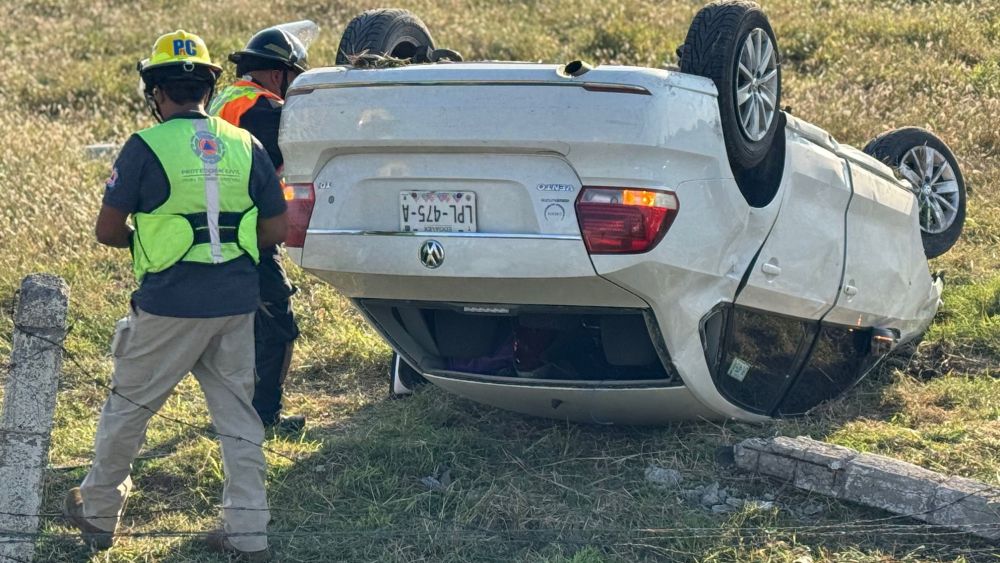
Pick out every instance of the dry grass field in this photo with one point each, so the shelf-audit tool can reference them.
(523, 489)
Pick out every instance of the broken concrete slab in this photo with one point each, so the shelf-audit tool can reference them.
(973, 503)
(889, 484)
(877, 481)
(819, 471)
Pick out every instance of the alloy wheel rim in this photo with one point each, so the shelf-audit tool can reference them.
(933, 180)
(757, 85)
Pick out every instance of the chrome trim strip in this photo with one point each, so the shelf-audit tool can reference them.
(623, 88)
(592, 385)
(428, 234)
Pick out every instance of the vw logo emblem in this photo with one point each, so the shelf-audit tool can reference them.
(432, 254)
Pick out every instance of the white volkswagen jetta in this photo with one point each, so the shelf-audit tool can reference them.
(613, 244)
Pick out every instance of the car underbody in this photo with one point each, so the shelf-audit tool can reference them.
(583, 244)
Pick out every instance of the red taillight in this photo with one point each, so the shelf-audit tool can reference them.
(300, 199)
(624, 220)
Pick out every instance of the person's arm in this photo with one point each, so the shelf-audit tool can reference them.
(121, 194)
(112, 228)
(272, 230)
(265, 190)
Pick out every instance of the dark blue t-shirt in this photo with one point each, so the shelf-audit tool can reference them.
(138, 184)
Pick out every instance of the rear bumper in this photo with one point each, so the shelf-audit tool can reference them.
(595, 405)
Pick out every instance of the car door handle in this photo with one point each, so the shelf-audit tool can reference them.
(771, 268)
(850, 290)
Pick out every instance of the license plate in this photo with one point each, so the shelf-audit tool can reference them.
(437, 212)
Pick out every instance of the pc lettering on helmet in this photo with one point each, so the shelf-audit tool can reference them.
(188, 46)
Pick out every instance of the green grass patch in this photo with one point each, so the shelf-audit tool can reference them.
(521, 489)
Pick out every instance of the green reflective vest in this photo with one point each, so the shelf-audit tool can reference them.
(208, 216)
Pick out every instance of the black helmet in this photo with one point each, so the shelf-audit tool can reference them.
(271, 48)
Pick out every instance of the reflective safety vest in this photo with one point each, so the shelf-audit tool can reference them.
(233, 101)
(208, 217)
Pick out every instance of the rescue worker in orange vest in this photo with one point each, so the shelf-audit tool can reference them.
(268, 63)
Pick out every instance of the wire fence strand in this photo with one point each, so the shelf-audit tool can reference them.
(201, 430)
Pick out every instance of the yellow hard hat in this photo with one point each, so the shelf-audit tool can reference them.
(179, 48)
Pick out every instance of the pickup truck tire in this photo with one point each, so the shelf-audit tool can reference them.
(732, 43)
(394, 33)
(927, 164)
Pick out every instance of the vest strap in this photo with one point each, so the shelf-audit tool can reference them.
(229, 219)
(229, 224)
(226, 235)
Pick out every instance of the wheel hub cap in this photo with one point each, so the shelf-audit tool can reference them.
(756, 85)
(933, 179)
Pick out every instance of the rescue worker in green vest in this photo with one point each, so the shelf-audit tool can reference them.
(268, 63)
(203, 199)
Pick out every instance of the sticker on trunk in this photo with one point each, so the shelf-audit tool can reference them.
(555, 213)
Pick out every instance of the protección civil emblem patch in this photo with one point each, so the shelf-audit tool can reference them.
(209, 148)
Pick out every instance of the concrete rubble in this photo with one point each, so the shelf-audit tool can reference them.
(663, 476)
(877, 481)
(439, 481)
(714, 498)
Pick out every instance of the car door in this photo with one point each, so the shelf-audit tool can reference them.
(886, 280)
(798, 269)
(792, 284)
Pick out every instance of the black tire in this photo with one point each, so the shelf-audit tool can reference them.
(891, 147)
(395, 33)
(712, 49)
(407, 376)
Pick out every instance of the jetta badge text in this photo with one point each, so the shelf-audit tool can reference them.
(555, 187)
(432, 254)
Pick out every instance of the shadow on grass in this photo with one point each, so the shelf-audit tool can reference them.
(513, 488)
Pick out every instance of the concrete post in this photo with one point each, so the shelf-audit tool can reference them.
(28, 407)
(873, 480)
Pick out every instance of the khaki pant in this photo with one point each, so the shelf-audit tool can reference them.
(152, 355)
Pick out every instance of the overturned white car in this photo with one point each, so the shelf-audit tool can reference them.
(615, 244)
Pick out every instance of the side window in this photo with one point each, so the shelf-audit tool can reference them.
(761, 355)
(839, 359)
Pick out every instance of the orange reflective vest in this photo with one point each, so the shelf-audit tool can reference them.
(232, 102)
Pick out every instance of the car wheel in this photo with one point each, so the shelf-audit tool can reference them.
(733, 44)
(403, 379)
(927, 164)
(394, 33)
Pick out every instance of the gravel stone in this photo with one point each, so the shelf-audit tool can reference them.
(735, 502)
(663, 476)
(712, 495)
